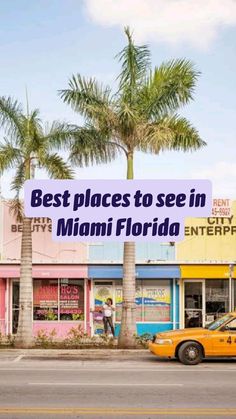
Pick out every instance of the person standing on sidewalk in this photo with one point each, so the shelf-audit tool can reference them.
(108, 309)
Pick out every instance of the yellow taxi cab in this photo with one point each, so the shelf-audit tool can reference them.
(190, 346)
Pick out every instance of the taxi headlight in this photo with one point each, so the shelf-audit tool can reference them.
(160, 341)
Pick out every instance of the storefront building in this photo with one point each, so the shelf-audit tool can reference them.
(157, 296)
(59, 298)
(186, 285)
(60, 272)
(71, 278)
(207, 260)
(206, 292)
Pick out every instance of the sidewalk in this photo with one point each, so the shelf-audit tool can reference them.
(93, 354)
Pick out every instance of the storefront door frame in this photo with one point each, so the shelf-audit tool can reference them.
(202, 281)
(95, 280)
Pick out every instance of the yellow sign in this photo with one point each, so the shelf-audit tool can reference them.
(211, 239)
(207, 271)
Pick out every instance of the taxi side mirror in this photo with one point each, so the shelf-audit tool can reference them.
(224, 328)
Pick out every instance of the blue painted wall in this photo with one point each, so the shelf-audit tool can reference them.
(151, 328)
(142, 271)
(113, 252)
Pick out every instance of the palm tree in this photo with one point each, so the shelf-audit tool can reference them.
(24, 145)
(140, 116)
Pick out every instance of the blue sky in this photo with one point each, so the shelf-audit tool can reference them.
(43, 42)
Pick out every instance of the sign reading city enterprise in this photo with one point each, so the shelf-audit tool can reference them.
(118, 210)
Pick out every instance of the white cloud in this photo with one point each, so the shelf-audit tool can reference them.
(223, 177)
(195, 22)
(220, 170)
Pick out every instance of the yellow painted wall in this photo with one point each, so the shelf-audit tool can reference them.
(209, 239)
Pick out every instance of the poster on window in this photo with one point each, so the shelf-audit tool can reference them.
(71, 301)
(138, 300)
(45, 300)
(156, 303)
(139, 303)
(118, 303)
(101, 293)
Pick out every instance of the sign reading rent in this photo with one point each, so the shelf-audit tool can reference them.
(221, 208)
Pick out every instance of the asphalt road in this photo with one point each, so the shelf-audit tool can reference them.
(123, 388)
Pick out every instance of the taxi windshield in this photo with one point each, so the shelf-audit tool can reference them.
(219, 322)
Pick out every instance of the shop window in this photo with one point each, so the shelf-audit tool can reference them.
(157, 301)
(138, 300)
(153, 301)
(46, 299)
(71, 299)
(217, 298)
(58, 299)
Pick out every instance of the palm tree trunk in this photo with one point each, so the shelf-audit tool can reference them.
(128, 319)
(24, 337)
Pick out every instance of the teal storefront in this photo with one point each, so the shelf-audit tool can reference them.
(157, 296)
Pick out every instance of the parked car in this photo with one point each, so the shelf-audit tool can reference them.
(191, 346)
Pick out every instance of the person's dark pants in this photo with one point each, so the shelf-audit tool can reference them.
(108, 322)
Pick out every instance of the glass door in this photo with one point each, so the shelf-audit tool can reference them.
(101, 291)
(193, 304)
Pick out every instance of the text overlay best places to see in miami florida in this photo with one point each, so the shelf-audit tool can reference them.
(118, 210)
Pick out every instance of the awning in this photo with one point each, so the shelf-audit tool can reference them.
(46, 271)
(206, 271)
(116, 272)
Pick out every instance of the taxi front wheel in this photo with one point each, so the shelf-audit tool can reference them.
(190, 353)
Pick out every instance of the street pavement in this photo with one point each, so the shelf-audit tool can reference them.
(125, 384)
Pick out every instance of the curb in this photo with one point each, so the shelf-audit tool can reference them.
(78, 353)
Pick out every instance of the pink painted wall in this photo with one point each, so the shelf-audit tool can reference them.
(2, 305)
(62, 328)
(44, 249)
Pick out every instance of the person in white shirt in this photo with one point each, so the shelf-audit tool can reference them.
(108, 309)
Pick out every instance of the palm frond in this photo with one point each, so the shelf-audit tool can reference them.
(128, 120)
(55, 166)
(169, 133)
(9, 156)
(34, 116)
(58, 135)
(169, 87)
(135, 62)
(154, 137)
(16, 208)
(19, 178)
(91, 99)
(185, 135)
(90, 147)
(11, 118)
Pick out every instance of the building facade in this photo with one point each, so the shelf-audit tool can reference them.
(185, 285)
(71, 278)
(207, 259)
